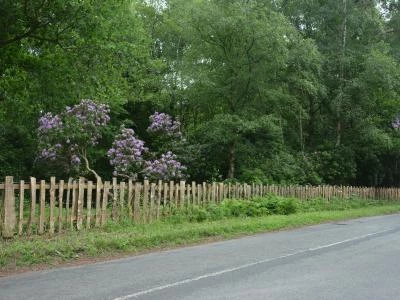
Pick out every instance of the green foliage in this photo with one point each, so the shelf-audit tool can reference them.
(292, 91)
(335, 204)
(263, 206)
(271, 205)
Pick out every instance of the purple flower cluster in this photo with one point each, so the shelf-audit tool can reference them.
(165, 168)
(90, 113)
(48, 122)
(87, 118)
(162, 122)
(126, 154)
(75, 160)
(49, 153)
(78, 128)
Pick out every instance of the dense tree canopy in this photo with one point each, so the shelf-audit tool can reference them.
(283, 91)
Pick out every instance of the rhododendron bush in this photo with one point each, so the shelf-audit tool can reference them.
(67, 137)
(131, 159)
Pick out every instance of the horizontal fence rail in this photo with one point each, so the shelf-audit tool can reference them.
(38, 207)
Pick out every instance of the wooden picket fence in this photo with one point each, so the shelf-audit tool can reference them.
(37, 207)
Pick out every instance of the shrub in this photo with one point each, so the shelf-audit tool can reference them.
(215, 212)
(234, 208)
(287, 206)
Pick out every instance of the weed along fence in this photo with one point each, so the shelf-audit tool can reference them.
(38, 207)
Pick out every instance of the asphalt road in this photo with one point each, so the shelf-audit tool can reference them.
(358, 259)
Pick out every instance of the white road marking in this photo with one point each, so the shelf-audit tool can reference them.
(215, 274)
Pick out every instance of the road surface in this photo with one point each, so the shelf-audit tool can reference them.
(357, 259)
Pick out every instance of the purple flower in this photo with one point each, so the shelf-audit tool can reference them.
(75, 160)
(162, 122)
(77, 128)
(90, 116)
(48, 153)
(166, 168)
(48, 122)
(126, 154)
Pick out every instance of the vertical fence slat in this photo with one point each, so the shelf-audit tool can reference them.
(52, 203)
(42, 214)
(89, 204)
(21, 207)
(188, 196)
(165, 196)
(130, 199)
(114, 199)
(122, 199)
(136, 203)
(104, 206)
(159, 196)
(176, 195)
(73, 205)
(199, 195)
(171, 193)
(67, 201)
(182, 193)
(33, 205)
(79, 209)
(9, 208)
(204, 193)
(152, 196)
(99, 186)
(145, 200)
(194, 194)
(213, 192)
(60, 204)
(221, 192)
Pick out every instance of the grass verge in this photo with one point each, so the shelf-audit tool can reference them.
(126, 239)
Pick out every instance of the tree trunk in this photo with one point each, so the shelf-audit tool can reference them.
(231, 170)
(341, 78)
(311, 124)
(301, 130)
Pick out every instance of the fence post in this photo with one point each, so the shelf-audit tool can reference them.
(221, 192)
(121, 199)
(182, 193)
(99, 187)
(32, 214)
(199, 195)
(104, 213)
(159, 196)
(213, 192)
(136, 203)
(114, 200)
(9, 208)
(60, 204)
(21, 206)
(146, 191)
(52, 203)
(165, 196)
(204, 194)
(67, 201)
(151, 199)
(130, 198)
(89, 204)
(188, 195)
(194, 194)
(42, 209)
